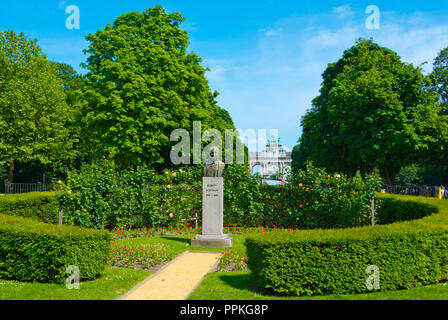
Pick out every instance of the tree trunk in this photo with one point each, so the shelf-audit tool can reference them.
(11, 171)
(389, 179)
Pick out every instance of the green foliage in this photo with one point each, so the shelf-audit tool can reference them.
(3, 174)
(373, 112)
(33, 110)
(316, 199)
(34, 251)
(143, 84)
(317, 262)
(390, 210)
(441, 74)
(242, 196)
(42, 206)
(103, 196)
(411, 175)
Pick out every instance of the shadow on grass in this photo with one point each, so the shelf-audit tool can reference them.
(247, 282)
(178, 239)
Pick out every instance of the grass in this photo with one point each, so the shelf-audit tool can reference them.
(178, 244)
(240, 285)
(111, 285)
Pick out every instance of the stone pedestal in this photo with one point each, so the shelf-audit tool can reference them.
(212, 215)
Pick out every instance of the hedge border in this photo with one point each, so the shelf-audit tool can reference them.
(334, 261)
(35, 251)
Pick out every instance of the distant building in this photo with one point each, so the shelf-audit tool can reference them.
(273, 159)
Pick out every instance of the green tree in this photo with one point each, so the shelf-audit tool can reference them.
(143, 84)
(33, 110)
(373, 111)
(441, 74)
(411, 175)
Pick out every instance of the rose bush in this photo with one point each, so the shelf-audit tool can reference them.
(102, 196)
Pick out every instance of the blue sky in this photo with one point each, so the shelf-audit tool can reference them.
(266, 57)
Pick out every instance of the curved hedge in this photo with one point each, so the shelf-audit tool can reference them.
(334, 261)
(42, 206)
(390, 209)
(35, 251)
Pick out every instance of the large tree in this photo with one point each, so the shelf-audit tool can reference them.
(143, 84)
(33, 110)
(373, 111)
(441, 74)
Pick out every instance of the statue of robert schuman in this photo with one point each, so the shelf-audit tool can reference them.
(214, 167)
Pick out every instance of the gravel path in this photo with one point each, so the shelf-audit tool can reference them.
(177, 279)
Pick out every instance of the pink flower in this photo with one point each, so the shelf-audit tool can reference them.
(168, 186)
(127, 254)
(115, 251)
(301, 206)
(338, 176)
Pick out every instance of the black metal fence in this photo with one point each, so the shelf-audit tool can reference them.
(425, 191)
(10, 188)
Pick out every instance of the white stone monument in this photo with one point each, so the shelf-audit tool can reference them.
(212, 206)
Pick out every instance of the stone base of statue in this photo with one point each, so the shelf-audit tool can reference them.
(212, 215)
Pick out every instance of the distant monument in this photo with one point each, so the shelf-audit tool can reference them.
(212, 205)
(274, 158)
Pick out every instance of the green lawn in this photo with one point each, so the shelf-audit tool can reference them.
(111, 285)
(240, 285)
(178, 244)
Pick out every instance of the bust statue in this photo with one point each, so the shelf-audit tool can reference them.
(214, 167)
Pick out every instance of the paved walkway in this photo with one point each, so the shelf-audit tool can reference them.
(177, 279)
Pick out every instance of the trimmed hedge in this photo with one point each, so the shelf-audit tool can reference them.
(317, 262)
(35, 251)
(42, 206)
(390, 210)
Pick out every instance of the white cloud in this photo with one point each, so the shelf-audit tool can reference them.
(343, 11)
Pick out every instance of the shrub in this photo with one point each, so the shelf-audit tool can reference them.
(389, 210)
(316, 262)
(35, 251)
(242, 196)
(317, 199)
(102, 196)
(276, 210)
(42, 206)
